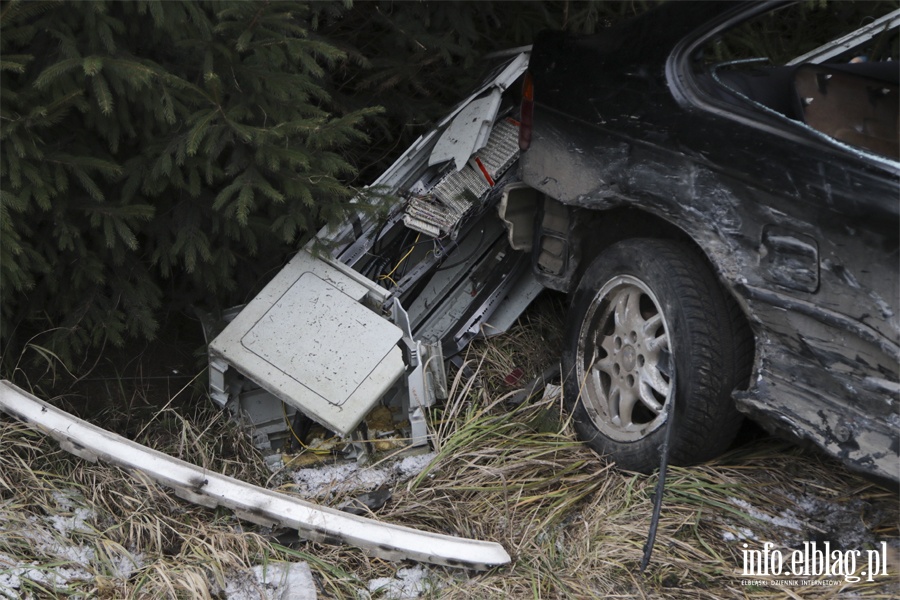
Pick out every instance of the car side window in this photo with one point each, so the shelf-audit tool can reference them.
(830, 66)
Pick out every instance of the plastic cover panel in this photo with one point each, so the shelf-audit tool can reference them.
(307, 340)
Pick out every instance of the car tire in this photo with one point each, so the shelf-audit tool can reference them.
(649, 322)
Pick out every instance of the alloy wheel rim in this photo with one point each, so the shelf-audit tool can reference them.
(624, 361)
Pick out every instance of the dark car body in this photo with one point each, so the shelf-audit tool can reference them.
(727, 230)
(633, 138)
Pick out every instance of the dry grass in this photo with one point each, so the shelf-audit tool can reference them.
(514, 473)
(576, 528)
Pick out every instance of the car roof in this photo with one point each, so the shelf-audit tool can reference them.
(649, 37)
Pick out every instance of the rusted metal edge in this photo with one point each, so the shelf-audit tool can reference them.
(249, 502)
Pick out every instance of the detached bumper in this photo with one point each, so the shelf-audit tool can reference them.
(249, 502)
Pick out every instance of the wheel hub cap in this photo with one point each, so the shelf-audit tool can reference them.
(628, 358)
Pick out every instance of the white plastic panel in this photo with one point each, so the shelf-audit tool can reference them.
(468, 132)
(307, 340)
(258, 505)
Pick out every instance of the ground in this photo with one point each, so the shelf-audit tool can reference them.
(500, 470)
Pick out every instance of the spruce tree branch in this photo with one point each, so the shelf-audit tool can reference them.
(255, 20)
(396, 27)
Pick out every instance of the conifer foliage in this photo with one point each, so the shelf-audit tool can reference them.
(160, 154)
(156, 150)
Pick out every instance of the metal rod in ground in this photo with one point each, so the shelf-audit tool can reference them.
(660, 485)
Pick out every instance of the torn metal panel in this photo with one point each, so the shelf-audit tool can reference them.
(404, 172)
(249, 502)
(866, 441)
(330, 336)
(828, 380)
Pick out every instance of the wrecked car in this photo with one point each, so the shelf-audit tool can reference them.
(719, 200)
(722, 205)
(726, 224)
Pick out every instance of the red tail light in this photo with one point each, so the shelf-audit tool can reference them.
(527, 112)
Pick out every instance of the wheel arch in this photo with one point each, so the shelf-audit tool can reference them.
(596, 230)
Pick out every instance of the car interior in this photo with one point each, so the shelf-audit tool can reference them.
(846, 89)
(854, 103)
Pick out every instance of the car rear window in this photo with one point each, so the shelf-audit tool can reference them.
(785, 34)
(831, 66)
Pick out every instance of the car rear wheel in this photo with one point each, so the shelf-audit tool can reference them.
(650, 324)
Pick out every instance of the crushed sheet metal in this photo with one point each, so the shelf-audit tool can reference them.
(249, 502)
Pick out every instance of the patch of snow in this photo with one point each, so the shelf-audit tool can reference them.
(327, 481)
(239, 586)
(9, 577)
(839, 522)
(78, 515)
(741, 533)
(125, 563)
(13, 572)
(786, 519)
(411, 466)
(411, 582)
(272, 581)
(338, 479)
(811, 518)
(67, 500)
(75, 522)
(50, 538)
